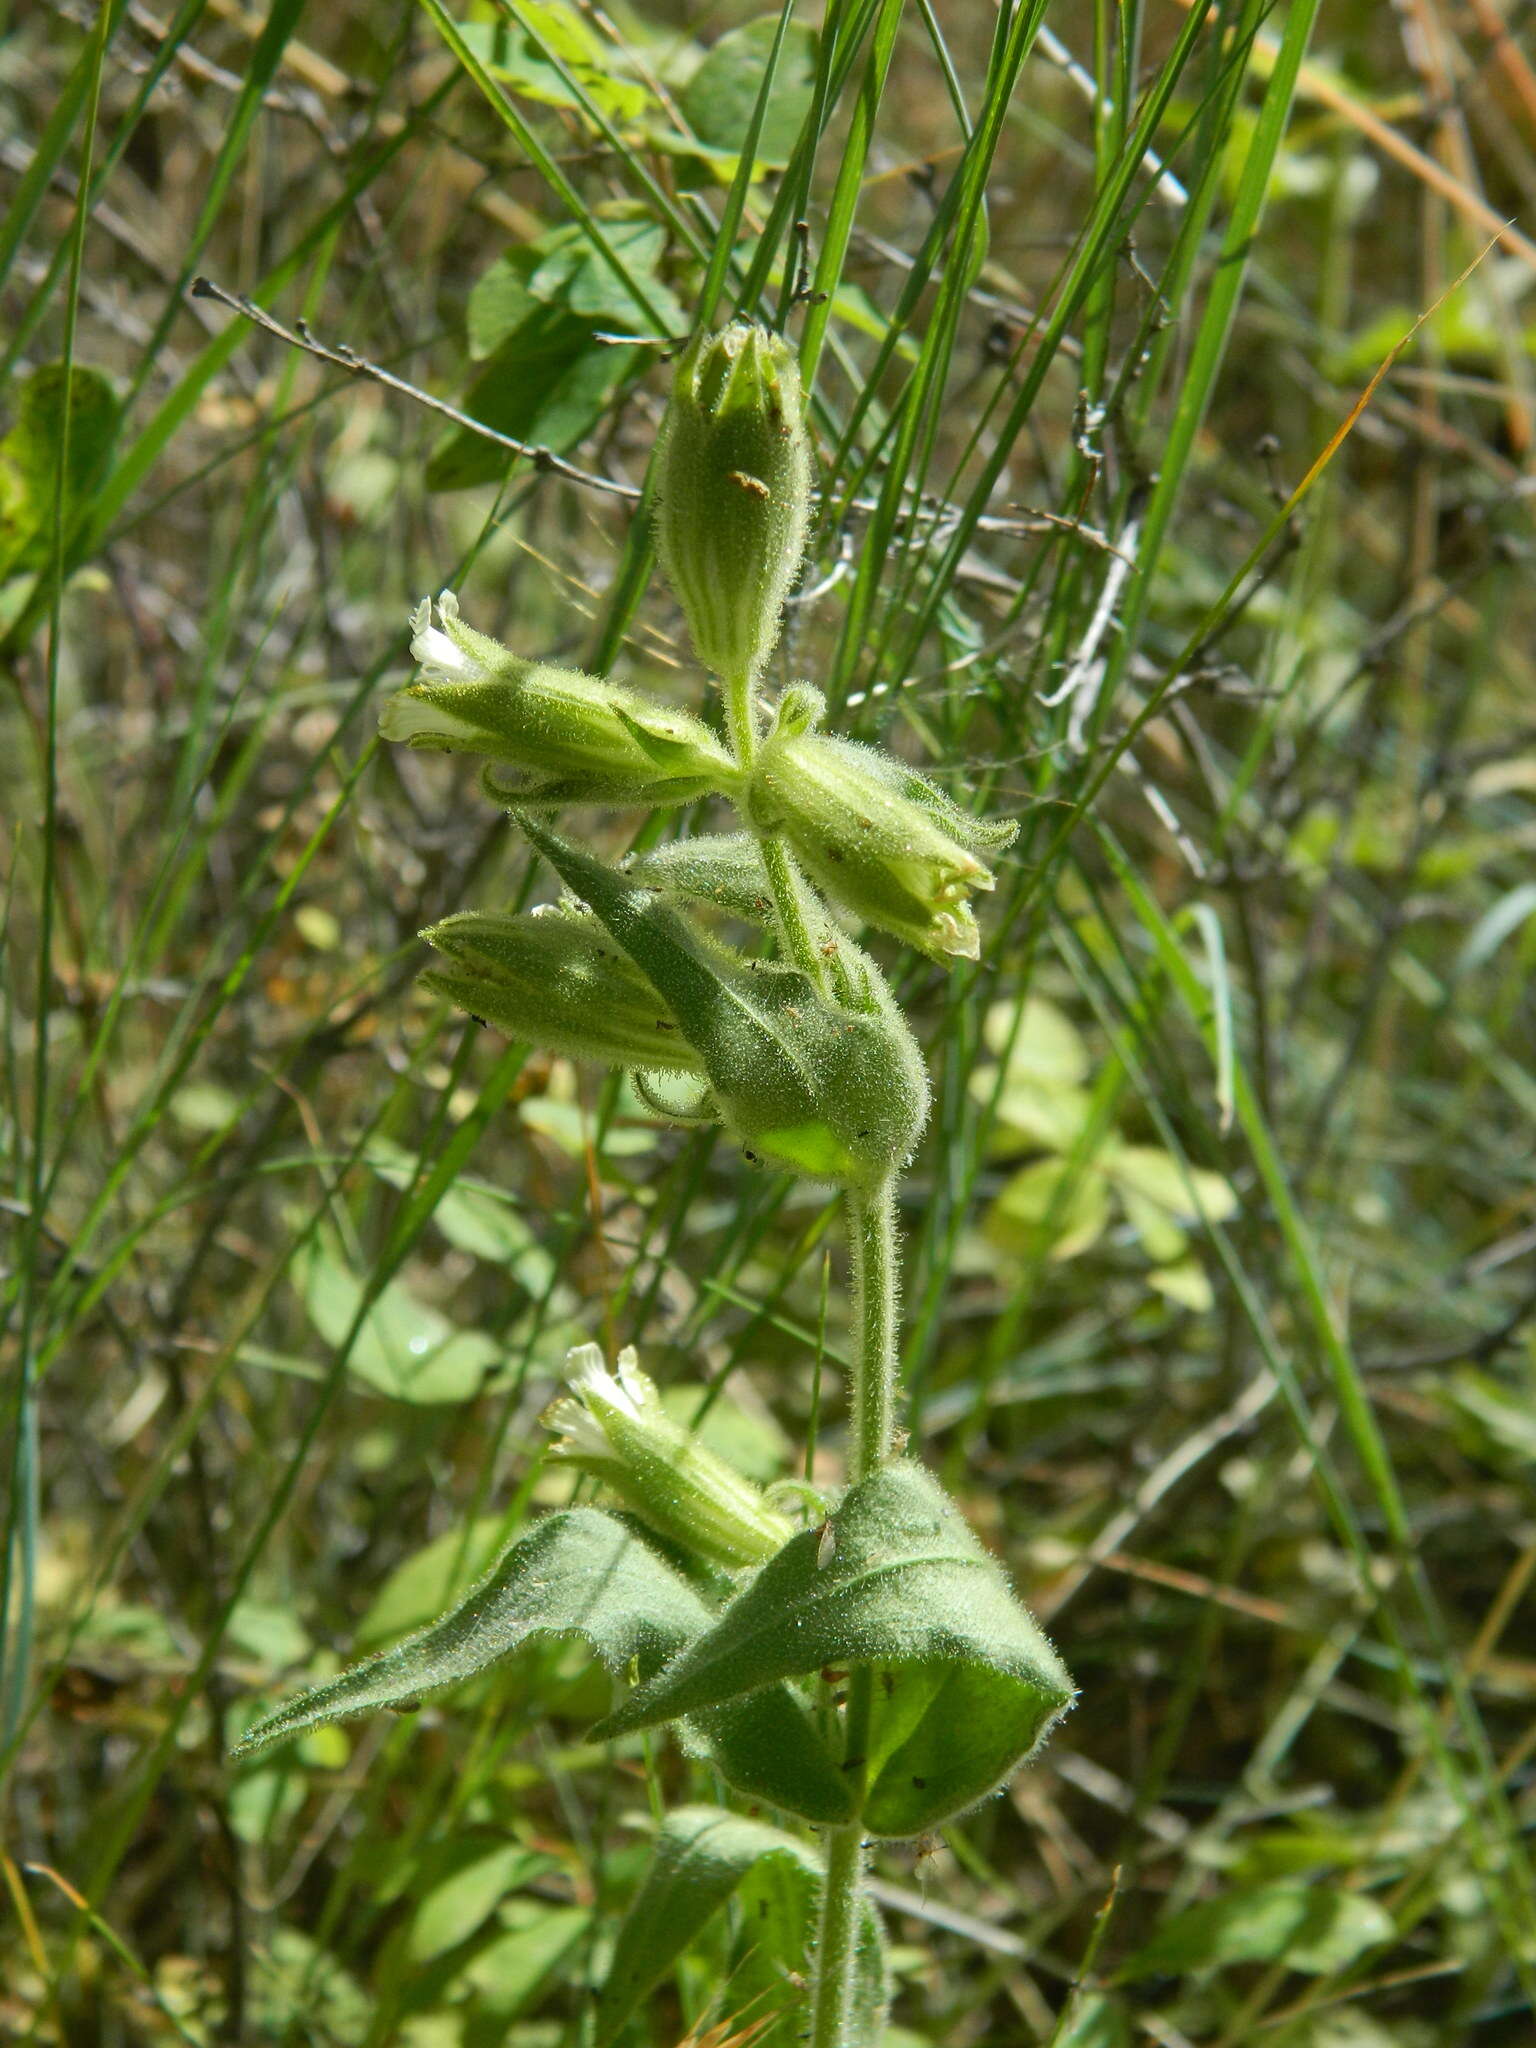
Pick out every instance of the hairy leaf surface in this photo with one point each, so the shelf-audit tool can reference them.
(966, 1683)
(830, 1092)
(587, 1574)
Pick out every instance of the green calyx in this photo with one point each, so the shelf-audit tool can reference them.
(568, 737)
(556, 979)
(735, 494)
(873, 834)
(822, 1088)
(614, 1427)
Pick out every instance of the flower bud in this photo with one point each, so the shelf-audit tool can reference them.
(557, 980)
(616, 1428)
(876, 836)
(572, 738)
(725, 871)
(735, 494)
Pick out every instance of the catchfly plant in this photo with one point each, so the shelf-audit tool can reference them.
(871, 1676)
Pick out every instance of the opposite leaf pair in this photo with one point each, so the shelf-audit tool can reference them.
(965, 1687)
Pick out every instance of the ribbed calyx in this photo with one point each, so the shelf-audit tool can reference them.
(555, 979)
(735, 494)
(872, 833)
(614, 1426)
(567, 737)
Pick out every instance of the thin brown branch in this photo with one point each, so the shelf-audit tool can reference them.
(343, 358)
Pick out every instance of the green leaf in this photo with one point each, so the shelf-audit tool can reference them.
(403, 1348)
(1186, 1283)
(767, 1746)
(272, 1634)
(584, 1573)
(581, 1573)
(263, 1802)
(500, 299)
(565, 268)
(1042, 1045)
(1055, 1205)
(476, 1217)
(1033, 1113)
(1158, 1178)
(718, 101)
(835, 1093)
(1315, 1929)
(548, 383)
(30, 456)
(573, 270)
(702, 1857)
(1159, 1236)
(510, 51)
(506, 1973)
(567, 1125)
(298, 1991)
(967, 1684)
(460, 1903)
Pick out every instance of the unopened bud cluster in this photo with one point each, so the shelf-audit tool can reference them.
(700, 1590)
(804, 1058)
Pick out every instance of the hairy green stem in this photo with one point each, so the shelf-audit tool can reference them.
(740, 717)
(837, 1941)
(871, 1225)
(876, 1295)
(783, 876)
(872, 1243)
(789, 906)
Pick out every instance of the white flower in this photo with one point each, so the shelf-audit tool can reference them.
(625, 1390)
(442, 658)
(613, 1425)
(622, 1396)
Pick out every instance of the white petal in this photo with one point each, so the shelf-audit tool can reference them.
(637, 1385)
(583, 1364)
(444, 662)
(582, 1435)
(589, 1377)
(960, 938)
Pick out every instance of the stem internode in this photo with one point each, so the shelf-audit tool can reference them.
(872, 1244)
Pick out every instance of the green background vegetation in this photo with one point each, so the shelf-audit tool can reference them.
(1220, 1239)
